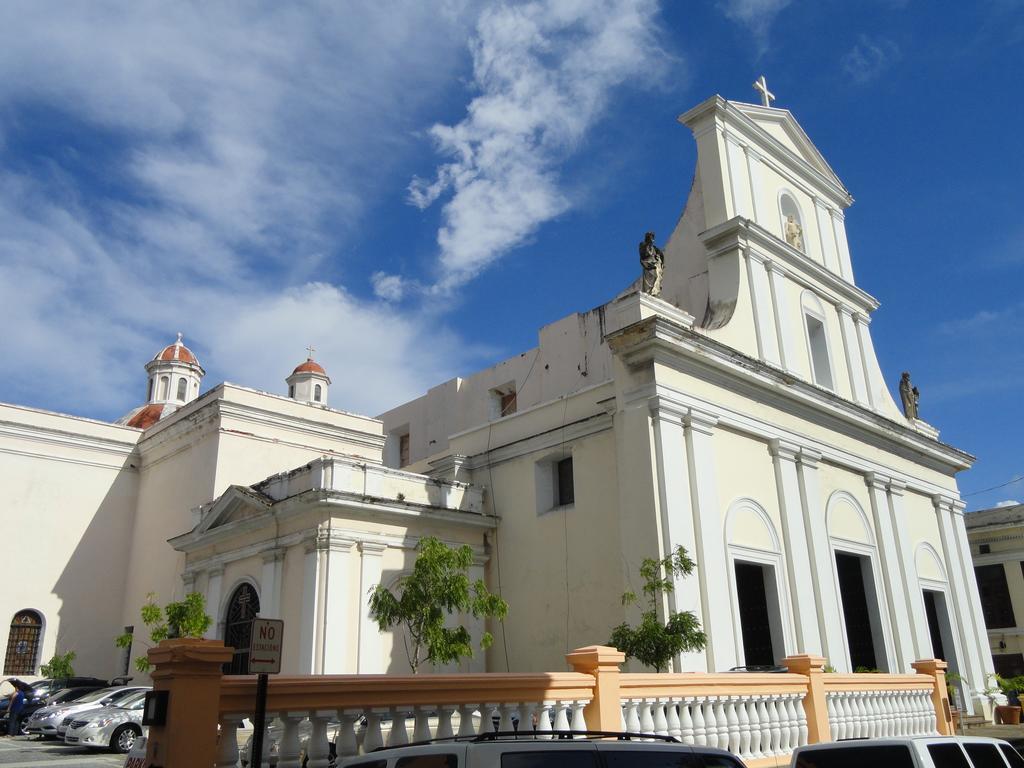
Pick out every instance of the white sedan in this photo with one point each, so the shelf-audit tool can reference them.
(115, 727)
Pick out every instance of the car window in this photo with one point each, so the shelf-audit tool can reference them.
(849, 756)
(435, 760)
(644, 758)
(102, 693)
(948, 756)
(984, 755)
(559, 758)
(720, 761)
(371, 764)
(1012, 756)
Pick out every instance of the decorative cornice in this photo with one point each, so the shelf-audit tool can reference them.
(783, 450)
(741, 233)
(372, 548)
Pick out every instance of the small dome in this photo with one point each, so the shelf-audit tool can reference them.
(177, 351)
(310, 366)
(146, 416)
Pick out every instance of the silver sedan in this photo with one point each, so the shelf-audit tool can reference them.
(115, 727)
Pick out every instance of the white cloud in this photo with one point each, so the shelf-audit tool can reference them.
(1007, 503)
(755, 15)
(388, 287)
(869, 58)
(545, 71)
(237, 149)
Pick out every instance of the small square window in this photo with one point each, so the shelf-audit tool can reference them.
(564, 482)
(984, 549)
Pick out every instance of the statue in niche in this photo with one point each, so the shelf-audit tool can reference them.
(909, 395)
(794, 233)
(653, 262)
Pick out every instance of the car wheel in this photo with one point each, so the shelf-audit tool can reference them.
(124, 738)
(23, 727)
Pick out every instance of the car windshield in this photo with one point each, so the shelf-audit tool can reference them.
(62, 695)
(135, 701)
(102, 693)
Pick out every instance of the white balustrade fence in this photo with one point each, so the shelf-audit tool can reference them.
(870, 714)
(356, 731)
(750, 726)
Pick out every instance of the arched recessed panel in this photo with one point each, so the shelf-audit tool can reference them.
(846, 519)
(793, 226)
(929, 563)
(748, 525)
(23, 643)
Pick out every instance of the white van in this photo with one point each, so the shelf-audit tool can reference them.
(917, 752)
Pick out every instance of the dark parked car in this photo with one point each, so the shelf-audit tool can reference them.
(41, 690)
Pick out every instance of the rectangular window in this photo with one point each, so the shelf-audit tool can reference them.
(984, 549)
(436, 760)
(948, 756)
(563, 479)
(555, 758)
(403, 450)
(995, 596)
(1008, 664)
(508, 403)
(984, 755)
(820, 366)
(849, 756)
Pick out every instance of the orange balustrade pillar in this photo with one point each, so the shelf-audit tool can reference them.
(936, 668)
(604, 712)
(190, 670)
(815, 703)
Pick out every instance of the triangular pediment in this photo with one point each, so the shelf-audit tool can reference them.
(782, 127)
(235, 505)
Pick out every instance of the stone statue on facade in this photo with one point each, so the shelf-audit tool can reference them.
(653, 262)
(794, 233)
(910, 396)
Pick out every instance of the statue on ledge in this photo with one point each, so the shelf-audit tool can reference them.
(910, 396)
(794, 233)
(653, 262)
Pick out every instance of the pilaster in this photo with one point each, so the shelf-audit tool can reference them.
(371, 657)
(270, 584)
(830, 623)
(971, 670)
(867, 357)
(908, 570)
(711, 564)
(798, 562)
(854, 358)
(311, 597)
(839, 228)
(894, 586)
(826, 234)
(337, 606)
(214, 585)
(760, 295)
(787, 346)
(973, 596)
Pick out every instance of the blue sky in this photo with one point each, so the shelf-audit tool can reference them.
(415, 188)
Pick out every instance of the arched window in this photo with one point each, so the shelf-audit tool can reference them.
(165, 387)
(182, 389)
(792, 222)
(242, 609)
(318, 393)
(23, 643)
(817, 341)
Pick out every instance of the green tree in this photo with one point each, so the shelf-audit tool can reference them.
(186, 618)
(59, 666)
(652, 642)
(437, 587)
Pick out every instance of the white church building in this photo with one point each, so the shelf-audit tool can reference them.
(739, 412)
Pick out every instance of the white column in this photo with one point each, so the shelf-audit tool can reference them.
(311, 595)
(972, 668)
(738, 177)
(214, 584)
(783, 322)
(798, 563)
(973, 597)
(830, 622)
(188, 582)
(905, 546)
(893, 584)
(868, 360)
(338, 616)
(676, 510)
(712, 567)
(839, 228)
(827, 239)
(270, 584)
(371, 656)
(854, 358)
(760, 298)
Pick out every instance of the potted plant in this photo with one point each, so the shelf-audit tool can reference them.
(1009, 713)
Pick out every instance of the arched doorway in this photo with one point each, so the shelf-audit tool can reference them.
(243, 607)
(23, 643)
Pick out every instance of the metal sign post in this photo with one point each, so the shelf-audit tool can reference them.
(265, 659)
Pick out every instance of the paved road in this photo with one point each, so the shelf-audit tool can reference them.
(24, 751)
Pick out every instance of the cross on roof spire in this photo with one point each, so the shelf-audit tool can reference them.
(310, 349)
(179, 338)
(767, 97)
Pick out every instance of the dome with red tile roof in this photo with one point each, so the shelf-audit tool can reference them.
(310, 366)
(176, 352)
